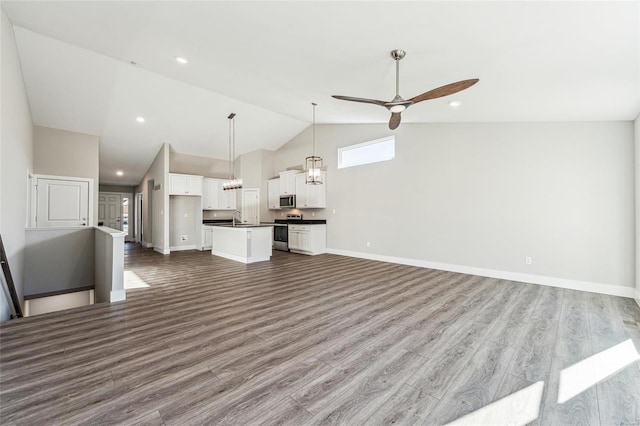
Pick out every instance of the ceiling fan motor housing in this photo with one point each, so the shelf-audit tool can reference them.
(398, 54)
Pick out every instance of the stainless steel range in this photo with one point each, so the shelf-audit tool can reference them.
(281, 231)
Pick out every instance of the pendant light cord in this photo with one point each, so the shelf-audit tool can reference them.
(232, 136)
(314, 129)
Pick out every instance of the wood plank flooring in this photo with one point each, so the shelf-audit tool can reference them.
(327, 339)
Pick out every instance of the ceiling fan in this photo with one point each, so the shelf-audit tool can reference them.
(398, 104)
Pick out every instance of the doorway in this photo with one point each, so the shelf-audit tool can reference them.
(115, 210)
(110, 210)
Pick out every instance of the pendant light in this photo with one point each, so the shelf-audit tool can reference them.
(233, 182)
(314, 163)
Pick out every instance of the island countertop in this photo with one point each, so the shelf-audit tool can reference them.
(240, 225)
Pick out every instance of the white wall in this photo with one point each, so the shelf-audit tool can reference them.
(636, 133)
(256, 168)
(60, 302)
(16, 159)
(63, 153)
(59, 259)
(185, 218)
(156, 203)
(197, 165)
(486, 196)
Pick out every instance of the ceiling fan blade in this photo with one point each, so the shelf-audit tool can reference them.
(394, 121)
(448, 89)
(363, 100)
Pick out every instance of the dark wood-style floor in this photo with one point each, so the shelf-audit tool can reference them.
(324, 339)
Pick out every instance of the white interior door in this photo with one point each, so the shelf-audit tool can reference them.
(250, 206)
(62, 203)
(110, 210)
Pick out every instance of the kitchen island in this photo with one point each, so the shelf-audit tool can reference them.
(242, 243)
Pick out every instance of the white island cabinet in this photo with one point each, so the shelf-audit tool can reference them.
(246, 244)
(207, 238)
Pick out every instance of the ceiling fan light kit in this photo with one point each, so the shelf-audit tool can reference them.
(313, 163)
(399, 104)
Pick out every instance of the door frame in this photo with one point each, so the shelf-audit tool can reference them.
(33, 208)
(139, 198)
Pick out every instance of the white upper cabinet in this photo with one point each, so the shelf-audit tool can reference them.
(210, 194)
(214, 197)
(180, 184)
(288, 182)
(273, 194)
(310, 196)
(228, 199)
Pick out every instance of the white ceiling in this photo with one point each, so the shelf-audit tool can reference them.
(268, 60)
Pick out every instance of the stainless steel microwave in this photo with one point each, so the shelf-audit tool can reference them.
(287, 201)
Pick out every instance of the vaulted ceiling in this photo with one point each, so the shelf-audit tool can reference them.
(93, 67)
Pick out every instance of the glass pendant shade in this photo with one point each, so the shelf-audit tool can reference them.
(314, 170)
(232, 184)
(313, 163)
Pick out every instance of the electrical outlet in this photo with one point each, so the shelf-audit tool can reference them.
(184, 237)
(215, 215)
(334, 211)
(528, 260)
(313, 214)
(368, 244)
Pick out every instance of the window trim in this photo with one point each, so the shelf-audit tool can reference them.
(363, 144)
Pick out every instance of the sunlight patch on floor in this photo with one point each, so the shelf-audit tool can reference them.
(132, 280)
(519, 408)
(590, 371)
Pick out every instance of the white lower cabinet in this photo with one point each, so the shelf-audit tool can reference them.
(207, 237)
(308, 239)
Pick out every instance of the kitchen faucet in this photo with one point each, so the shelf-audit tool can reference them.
(233, 217)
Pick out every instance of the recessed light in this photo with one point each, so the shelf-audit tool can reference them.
(181, 60)
(120, 173)
(140, 119)
(455, 104)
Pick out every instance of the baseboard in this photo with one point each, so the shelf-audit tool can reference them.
(229, 256)
(181, 248)
(610, 289)
(147, 245)
(161, 250)
(118, 296)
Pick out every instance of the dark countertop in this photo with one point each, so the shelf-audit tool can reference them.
(302, 222)
(277, 221)
(215, 221)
